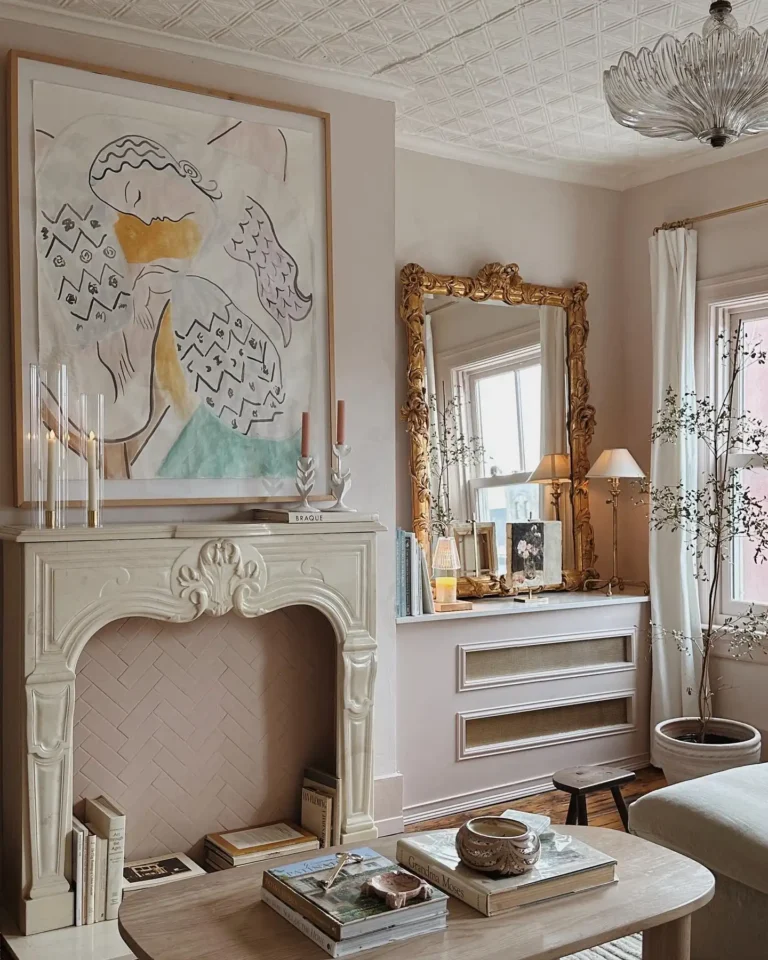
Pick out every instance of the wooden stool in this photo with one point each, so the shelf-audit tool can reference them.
(579, 781)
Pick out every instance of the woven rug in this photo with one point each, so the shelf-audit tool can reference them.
(628, 948)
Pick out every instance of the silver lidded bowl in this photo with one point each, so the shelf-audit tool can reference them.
(507, 848)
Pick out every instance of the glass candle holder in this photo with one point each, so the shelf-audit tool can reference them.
(445, 566)
(91, 421)
(48, 442)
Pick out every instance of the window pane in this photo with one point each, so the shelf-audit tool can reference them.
(530, 410)
(756, 375)
(750, 577)
(497, 401)
(503, 505)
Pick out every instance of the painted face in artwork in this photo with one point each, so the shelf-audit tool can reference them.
(137, 176)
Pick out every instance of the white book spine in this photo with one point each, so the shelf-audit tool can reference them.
(101, 878)
(115, 864)
(77, 874)
(301, 923)
(444, 879)
(90, 879)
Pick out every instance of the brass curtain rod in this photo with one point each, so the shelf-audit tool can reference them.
(689, 222)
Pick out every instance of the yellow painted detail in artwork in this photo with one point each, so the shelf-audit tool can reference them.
(168, 372)
(145, 242)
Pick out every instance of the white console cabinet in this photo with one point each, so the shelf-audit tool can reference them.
(493, 701)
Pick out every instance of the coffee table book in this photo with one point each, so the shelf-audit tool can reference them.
(344, 912)
(260, 843)
(567, 866)
(345, 948)
(280, 515)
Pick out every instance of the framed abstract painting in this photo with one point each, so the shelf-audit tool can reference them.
(171, 246)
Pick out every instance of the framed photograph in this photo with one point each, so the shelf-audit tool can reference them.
(535, 553)
(477, 548)
(171, 246)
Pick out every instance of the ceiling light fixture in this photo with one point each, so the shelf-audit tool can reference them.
(712, 87)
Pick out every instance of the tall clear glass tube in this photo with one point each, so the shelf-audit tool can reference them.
(48, 444)
(91, 451)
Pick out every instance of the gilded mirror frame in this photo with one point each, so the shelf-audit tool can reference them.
(496, 281)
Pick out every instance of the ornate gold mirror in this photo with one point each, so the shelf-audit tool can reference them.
(499, 419)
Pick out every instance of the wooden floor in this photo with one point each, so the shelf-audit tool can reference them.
(554, 804)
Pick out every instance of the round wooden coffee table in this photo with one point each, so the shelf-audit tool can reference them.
(221, 917)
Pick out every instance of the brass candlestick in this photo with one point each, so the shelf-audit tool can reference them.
(614, 581)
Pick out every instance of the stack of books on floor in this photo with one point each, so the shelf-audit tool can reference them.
(320, 812)
(413, 588)
(343, 919)
(98, 856)
(254, 844)
(153, 871)
(567, 866)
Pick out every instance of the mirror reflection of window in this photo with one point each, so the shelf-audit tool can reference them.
(497, 376)
(504, 411)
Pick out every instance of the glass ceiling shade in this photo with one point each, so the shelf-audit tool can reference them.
(712, 87)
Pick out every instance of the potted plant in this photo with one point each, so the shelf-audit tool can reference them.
(722, 511)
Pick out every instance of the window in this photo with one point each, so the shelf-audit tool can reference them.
(501, 400)
(746, 581)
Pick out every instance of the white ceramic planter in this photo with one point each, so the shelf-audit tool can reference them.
(686, 761)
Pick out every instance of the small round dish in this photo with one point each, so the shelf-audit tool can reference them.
(397, 889)
(507, 848)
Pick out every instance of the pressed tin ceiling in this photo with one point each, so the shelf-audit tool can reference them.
(517, 85)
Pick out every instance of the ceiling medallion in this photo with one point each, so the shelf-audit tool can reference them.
(712, 87)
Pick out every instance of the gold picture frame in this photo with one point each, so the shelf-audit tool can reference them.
(496, 281)
(476, 540)
(18, 251)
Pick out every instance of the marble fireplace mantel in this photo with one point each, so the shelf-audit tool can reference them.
(61, 586)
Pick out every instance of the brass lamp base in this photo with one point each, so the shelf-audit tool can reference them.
(615, 583)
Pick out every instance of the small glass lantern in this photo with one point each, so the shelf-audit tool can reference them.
(445, 566)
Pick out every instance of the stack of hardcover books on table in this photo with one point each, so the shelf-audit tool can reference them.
(226, 850)
(566, 866)
(343, 919)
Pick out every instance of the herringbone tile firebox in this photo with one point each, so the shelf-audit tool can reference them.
(203, 726)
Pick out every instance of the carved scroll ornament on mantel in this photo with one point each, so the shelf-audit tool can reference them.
(218, 577)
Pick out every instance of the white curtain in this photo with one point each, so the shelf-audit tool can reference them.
(553, 329)
(674, 593)
(554, 409)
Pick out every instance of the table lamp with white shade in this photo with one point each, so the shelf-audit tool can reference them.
(554, 469)
(614, 466)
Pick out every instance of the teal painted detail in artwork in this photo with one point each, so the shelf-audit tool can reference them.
(209, 450)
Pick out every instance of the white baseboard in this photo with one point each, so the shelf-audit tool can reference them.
(390, 827)
(388, 803)
(491, 796)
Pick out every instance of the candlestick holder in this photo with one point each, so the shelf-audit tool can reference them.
(47, 444)
(91, 450)
(305, 482)
(341, 480)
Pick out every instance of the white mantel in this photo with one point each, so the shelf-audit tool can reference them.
(61, 586)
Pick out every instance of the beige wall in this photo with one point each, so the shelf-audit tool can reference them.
(733, 245)
(453, 217)
(362, 148)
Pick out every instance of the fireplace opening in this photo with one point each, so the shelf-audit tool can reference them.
(204, 727)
